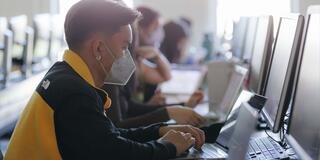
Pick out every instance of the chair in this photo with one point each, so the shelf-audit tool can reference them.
(22, 43)
(5, 50)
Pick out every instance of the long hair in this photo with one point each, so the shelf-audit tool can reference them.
(174, 31)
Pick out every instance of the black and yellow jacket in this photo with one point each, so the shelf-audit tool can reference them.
(65, 119)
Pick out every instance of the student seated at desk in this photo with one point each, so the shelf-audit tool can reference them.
(65, 118)
(150, 34)
(126, 112)
(154, 66)
(174, 44)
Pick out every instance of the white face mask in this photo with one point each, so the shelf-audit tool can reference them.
(155, 38)
(121, 69)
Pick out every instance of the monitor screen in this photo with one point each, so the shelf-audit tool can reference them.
(280, 71)
(261, 54)
(304, 122)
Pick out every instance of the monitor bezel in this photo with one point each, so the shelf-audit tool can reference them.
(239, 43)
(289, 138)
(286, 90)
(265, 58)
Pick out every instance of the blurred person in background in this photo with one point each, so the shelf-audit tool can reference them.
(127, 112)
(150, 33)
(176, 36)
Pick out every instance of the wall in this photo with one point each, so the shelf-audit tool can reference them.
(301, 6)
(10, 8)
(201, 12)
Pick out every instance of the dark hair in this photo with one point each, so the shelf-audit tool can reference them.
(174, 31)
(90, 16)
(148, 14)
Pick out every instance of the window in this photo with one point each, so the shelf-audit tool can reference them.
(230, 10)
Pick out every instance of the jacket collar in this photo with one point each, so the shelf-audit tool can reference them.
(79, 66)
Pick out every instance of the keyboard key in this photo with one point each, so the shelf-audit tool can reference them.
(262, 146)
(265, 148)
(251, 151)
(255, 148)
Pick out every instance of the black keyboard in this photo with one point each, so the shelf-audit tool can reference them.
(208, 151)
(265, 148)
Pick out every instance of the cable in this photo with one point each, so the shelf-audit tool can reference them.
(281, 135)
(265, 130)
(283, 142)
(287, 147)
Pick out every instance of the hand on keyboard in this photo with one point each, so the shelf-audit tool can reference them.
(183, 115)
(182, 141)
(196, 133)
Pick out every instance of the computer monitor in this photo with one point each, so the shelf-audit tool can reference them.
(3, 28)
(239, 32)
(250, 38)
(260, 60)
(231, 101)
(218, 78)
(5, 51)
(303, 131)
(281, 73)
(233, 91)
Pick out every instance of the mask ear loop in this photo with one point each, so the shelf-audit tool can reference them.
(109, 51)
(107, 103)
(98, 58)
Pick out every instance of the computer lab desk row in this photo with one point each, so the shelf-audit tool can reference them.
(14, 98)
(261, 132)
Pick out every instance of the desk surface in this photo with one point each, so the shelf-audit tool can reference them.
(14, 98)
